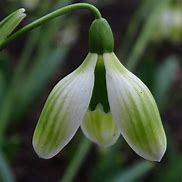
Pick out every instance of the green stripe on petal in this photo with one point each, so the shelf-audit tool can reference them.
(99, 127)
(134, 110)
(64, 109)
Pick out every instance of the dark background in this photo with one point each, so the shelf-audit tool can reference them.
(146, 42)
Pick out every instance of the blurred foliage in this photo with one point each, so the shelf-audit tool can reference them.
(169, 24)
(133, 173)
(28, 66)
(164, 78)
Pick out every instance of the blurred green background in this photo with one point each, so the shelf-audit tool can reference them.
(148, 41)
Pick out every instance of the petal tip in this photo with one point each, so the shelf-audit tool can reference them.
(41, 152)
(157, 156)
(161, 154)
(22, 10)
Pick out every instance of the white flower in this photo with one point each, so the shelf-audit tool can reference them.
(105, 99)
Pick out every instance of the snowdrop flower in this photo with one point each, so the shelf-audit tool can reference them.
(105, 99)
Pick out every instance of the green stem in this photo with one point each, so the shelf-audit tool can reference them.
(49, 17)
(78, 159)
(5, 171)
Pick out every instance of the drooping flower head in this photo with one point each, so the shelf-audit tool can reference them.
(106, 100)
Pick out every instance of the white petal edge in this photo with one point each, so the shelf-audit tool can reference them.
(64, 109)
(121, 86)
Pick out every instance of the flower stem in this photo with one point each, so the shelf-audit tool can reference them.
(77, 160)
(49, 17)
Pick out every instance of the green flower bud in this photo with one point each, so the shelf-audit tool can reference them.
(8, 24)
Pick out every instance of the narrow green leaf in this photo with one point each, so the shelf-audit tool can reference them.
(5, 171)
(75, 164)
(2, 85)
(109, 162)
(133, 173)
(164, 78)
(172, 171)
(141, 14)
(146, 34)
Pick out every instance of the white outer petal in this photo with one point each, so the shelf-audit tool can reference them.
(134, 110)
(64, 109)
